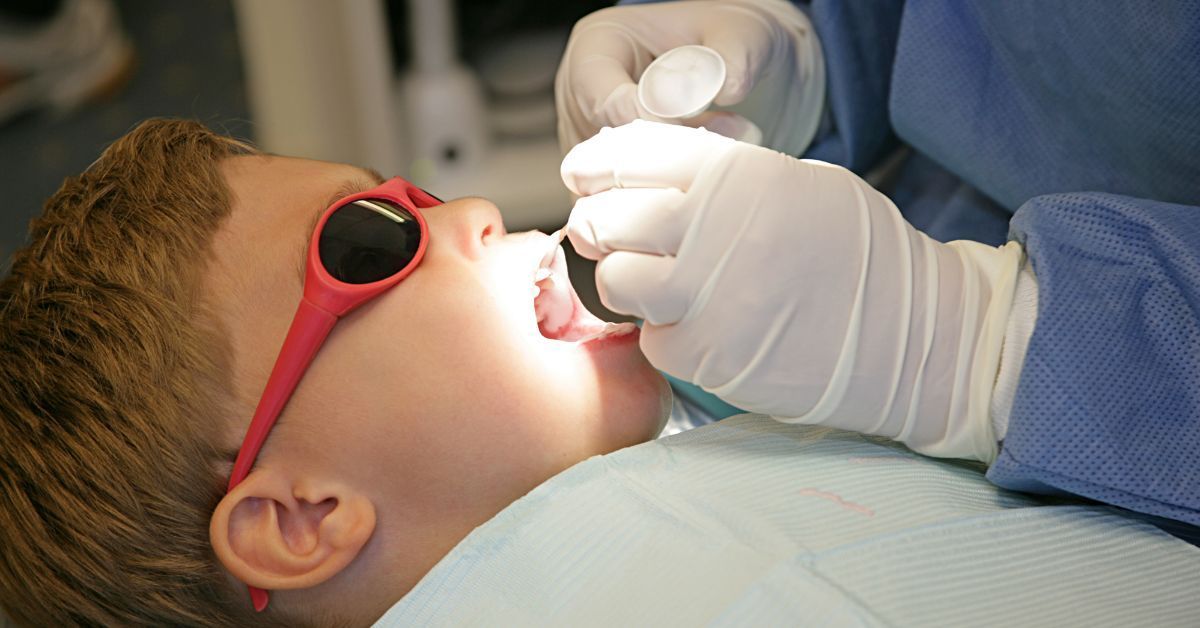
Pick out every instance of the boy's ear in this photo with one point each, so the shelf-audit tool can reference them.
(277, 532)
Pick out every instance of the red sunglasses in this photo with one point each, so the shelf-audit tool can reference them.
(364, 244)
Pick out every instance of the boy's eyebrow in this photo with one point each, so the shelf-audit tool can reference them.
(370, 179)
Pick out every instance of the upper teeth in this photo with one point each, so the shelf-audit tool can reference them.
(557, 238)
(551, 295)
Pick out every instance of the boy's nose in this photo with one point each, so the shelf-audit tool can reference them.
(467, 222)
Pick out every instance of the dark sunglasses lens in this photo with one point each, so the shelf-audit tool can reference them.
(368, 240)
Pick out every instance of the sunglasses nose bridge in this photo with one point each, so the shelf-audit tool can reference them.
(412, 194)
(422, 198)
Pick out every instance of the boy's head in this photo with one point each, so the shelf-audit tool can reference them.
(137, 332)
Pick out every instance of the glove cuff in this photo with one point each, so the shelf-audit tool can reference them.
(1021, 322)
(974, 436)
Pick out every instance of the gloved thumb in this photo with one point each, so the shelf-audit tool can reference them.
(645, 220)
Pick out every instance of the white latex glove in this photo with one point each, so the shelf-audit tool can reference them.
(791, 287)
(775, 74)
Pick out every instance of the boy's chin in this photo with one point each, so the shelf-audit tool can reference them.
(640, 408)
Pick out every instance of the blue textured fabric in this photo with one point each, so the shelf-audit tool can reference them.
(944, 207)
(1021, 98)
(1108, 405)
(858, 39)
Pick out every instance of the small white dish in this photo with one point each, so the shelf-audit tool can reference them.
(681, 82)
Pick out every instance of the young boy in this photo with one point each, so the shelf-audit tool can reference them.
(138, 329)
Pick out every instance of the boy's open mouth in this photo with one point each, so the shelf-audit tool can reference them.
(559, 312)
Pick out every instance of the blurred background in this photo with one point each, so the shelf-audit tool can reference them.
(456, 95)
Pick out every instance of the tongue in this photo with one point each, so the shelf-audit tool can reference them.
(554, 307)
(560, 313)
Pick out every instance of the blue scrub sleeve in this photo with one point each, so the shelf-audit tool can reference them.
(1108, 404)
(858, 40)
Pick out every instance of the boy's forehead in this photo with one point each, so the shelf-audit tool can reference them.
(271, 201)
(291, 184)
(282, 175)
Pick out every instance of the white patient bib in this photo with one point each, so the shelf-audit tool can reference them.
(752, 522)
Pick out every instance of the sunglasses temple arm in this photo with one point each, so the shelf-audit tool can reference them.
(309, 328)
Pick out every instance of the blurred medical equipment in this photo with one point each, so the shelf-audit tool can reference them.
(750, 522)
(441, 100)
(67, 56)
(775, 72)
(321, 85)
(814, 301)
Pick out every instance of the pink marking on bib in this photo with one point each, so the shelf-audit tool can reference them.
(837, 499)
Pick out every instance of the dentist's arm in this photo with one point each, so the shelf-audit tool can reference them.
(793, 288)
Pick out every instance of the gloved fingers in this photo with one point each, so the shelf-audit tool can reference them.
(641, 285)
(600, 66)
(745, 50)
(642, 220)
(608, 97)
(641, 154)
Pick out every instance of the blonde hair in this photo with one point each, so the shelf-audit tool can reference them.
(113, 381)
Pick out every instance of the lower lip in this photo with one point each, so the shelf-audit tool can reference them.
(613, 341)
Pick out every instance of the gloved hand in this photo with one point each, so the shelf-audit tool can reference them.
(775, 73)
(791, 287)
